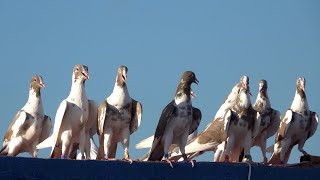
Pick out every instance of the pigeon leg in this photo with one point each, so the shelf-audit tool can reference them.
(82, 144)
(229, 146)
(300, 147)
(167, 143)
(263, 151)
(125, 144)
(182, 145)
(87, 146)
(107, 141)
(247, 147)
(66, 143)
(285, 147)
(166, 159)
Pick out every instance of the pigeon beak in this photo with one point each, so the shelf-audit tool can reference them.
(196, 81)
(42, 85)
(124, 77)
(85, 74)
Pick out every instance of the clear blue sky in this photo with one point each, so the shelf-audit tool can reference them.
(158, 40)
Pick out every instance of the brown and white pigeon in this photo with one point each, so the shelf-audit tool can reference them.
(118, 117)
(269, 118)
(71, 118)
(30, 126)
(229, 134)
(231, 98)
(297, 125)
(177, 121)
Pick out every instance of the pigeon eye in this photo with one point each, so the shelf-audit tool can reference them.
(35, 80)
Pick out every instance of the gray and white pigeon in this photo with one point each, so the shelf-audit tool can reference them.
(71, 117)
(177, 121)
(118, 117)
(229, 134)
(269, 118)
(231, 98)
(297, 125)
(30, 126)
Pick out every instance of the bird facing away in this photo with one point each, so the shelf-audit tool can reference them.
(119, 116)
(177, 121)
(269, 118)
(231, 98)
(30, 126)
(71, 117)
(297, 125)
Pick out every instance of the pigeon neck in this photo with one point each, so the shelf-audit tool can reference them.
(120, 94)
(34, 103)
(242, 101)
(300, 103)
(183, 92)
(262, 102)
(77, 91)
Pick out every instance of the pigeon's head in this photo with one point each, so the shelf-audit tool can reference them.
(122, 75)
(301, 84)
(36, 82)
(189, 77)
(263, 86)
(80, 72)
(244, 80)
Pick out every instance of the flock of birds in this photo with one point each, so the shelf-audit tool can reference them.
(237, 126)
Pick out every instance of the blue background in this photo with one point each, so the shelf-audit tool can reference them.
(158, 40)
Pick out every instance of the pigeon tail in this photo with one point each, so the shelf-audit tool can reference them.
(46, 143)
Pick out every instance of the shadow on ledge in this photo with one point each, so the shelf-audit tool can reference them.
(35, 168)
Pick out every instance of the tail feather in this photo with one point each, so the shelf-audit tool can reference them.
(46, 143)
(146, 143)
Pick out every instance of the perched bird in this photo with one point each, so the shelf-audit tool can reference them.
(231, 98)
(297, 125)
(71, 117)
(226, 135)
(269, 118)
(118, 117)
(177, 121)
(30, 126)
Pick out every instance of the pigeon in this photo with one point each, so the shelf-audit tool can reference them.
(119, 116)
(177, 121)
(298, 124)
(71, 117)
(269, 118)
(30, 126)
(228, 134)
(231, 99)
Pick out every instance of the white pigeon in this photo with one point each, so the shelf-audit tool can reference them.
(71, 117)
(269, 118)
(30, 126)
(118, 117)
(297, 125)
(231, 98)
(177, 121)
